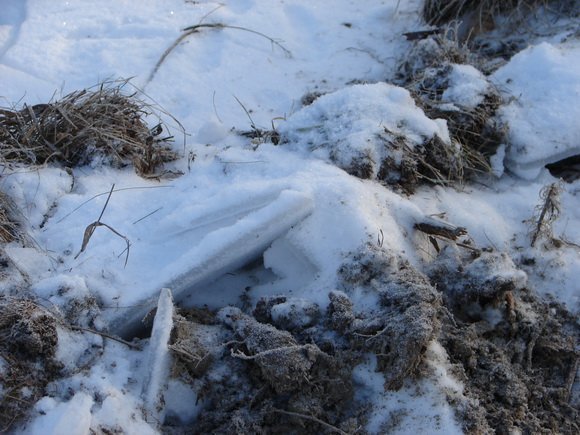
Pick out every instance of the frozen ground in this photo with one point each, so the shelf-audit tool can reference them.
(250, 219)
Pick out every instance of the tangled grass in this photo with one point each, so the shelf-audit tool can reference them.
(438, 12)
(99, 124)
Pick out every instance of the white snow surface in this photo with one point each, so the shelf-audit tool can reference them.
(543, 84)
(232, 187)
(467, 87)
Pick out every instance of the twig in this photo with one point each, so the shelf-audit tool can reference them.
(104, 334)
(215, 108)
(194, 29)
(242, 355)
(105, 193)
(147, 215)
(549, 212)
(311, 418)
(252, 123)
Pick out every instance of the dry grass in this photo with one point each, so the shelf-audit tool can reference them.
(425, 72)
(438, 12)
(9, 227)
(100, 124)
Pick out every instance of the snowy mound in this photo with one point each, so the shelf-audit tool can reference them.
(544, 87)
(367, 130)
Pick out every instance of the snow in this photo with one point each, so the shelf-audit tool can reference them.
(353, 119)
(287, 206)
(72, 417)
(467, 87)
(418, 408)
(543, 83)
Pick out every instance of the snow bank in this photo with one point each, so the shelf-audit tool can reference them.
(353, 127)
(542, 86)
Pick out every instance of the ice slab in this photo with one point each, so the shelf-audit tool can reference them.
(219, 246)
(159, 359)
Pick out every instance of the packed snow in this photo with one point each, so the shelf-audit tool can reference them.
(277, 218)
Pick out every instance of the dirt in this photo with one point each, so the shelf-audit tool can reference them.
(517, 354)
(28, 340)
(286, 366)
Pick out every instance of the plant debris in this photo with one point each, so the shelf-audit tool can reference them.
(433, 72)
(546, 213)
(514, 353)
(96, 125)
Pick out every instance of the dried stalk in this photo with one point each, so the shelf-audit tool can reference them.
(195, 29)
(90, 229)
(547, 212)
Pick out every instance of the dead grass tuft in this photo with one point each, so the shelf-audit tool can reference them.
(475, 18)
(426, 72)
(9, 226)
(480, 12)
(100, 124)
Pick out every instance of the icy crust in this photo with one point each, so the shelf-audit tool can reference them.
(542, 87)
(361, 127)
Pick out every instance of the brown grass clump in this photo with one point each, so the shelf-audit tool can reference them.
(100, 124)
(480, 12)
(473, 18)
(426, 72)
(9, 227)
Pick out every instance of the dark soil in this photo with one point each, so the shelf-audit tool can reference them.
(263, 372)
(28, 340)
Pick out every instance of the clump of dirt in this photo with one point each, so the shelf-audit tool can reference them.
(101, 124)
(518, 354)
(255, 378)
(290, 314)
(405, 320)
(28, 340)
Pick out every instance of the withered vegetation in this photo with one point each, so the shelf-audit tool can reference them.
(100, 124)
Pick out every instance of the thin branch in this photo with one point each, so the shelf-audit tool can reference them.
(311, 418)
(105, 193)
(252, 123)
(147, 215)
(242, 355)
(104, 334)
(90, 230)
(106, 203)
(195, 29)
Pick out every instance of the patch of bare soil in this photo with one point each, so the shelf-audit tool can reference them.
(287, 366)
(28, 340)
(516, 354)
